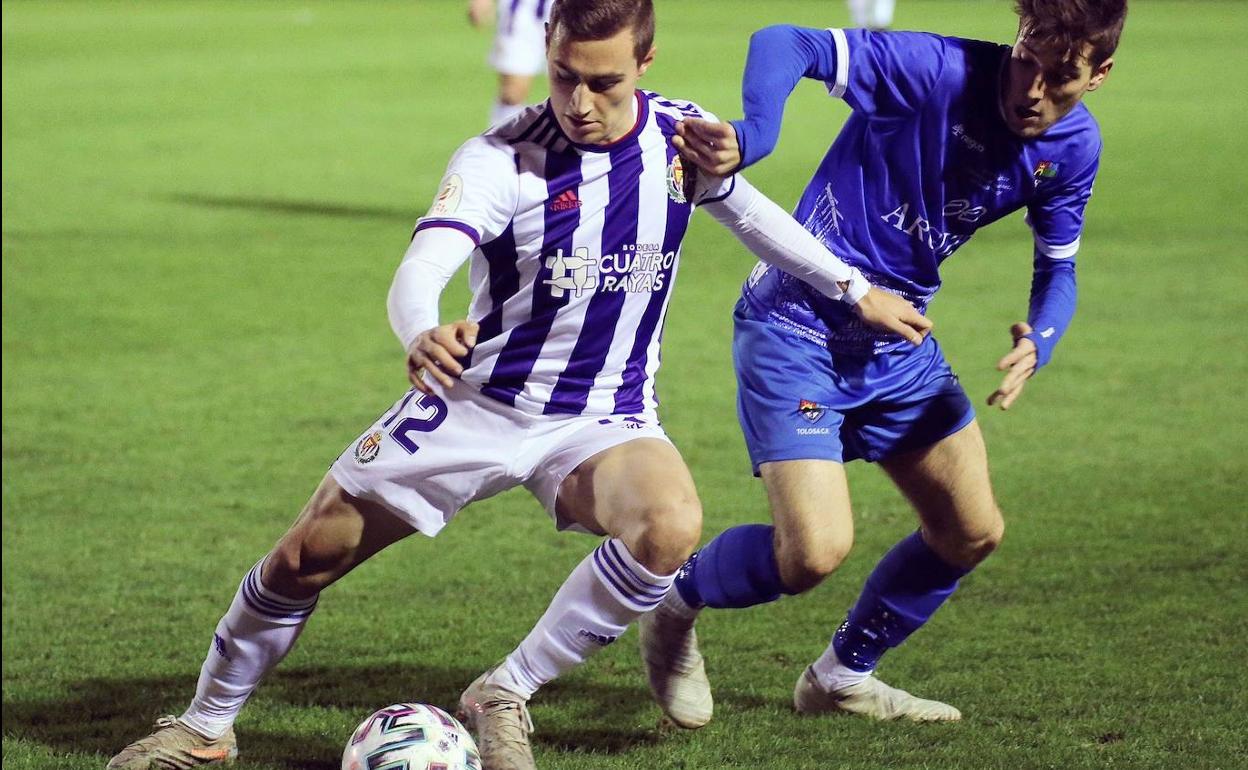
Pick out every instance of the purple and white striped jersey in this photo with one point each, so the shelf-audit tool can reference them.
(511, 10)
(578, 248)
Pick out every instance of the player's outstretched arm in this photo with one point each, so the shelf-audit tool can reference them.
(777, 239)
(779, 57)
(1019, 364)
(412, 305)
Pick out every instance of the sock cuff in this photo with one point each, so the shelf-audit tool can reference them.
(627, 578)
(270, 605)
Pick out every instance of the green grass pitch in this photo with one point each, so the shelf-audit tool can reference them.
(203, 204)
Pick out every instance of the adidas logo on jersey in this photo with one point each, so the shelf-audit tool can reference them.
(565, 201)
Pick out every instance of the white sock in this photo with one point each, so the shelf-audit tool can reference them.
(501, 113)
(676, 604)
(606, 592)
(256, 633)
(834, 675)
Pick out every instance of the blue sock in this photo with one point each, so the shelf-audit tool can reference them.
(736, 569)
(902, 593)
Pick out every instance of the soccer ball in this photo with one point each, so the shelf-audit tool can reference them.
(411, 736)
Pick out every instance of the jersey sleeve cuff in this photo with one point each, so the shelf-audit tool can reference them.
(836, 88)
(453, 224)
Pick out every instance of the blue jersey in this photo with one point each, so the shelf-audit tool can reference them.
(924, 161)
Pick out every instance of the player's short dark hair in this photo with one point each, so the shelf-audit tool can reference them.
(1066, 25)
(601, 19)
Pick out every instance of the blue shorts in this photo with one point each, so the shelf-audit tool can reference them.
(798, 401)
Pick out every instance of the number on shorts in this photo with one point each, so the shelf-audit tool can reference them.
(429, 412)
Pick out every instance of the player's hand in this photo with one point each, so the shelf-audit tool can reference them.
(480, 12)
(889, 312)
(1019, 364)
(710, 146)
(435, 351)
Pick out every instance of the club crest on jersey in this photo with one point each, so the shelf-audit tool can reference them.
(676, 180)
(1046, 169)
(368, 448)
(810, 410)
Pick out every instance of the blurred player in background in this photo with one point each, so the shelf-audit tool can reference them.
(572, 214)
(519, 52)
(872, 14)
(946, 136)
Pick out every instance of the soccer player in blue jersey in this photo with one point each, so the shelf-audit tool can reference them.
(946, 136)
(572, 215)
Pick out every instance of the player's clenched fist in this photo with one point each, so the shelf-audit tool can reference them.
(436, 351)
(890, 312)
(711, 146)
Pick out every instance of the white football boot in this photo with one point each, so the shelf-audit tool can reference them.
(500, 721)
(870, 698)
(174, 746)
(674, 667)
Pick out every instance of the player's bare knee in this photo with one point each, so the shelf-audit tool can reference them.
(805, 565)
(968, 546)
(666, 535)
(513, 92)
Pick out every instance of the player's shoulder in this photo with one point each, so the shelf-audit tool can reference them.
(1076, 137)
(677, 109)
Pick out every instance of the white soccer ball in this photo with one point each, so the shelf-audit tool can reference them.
(411, 736)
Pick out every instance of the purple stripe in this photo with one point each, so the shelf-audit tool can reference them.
(516, 360)
(629, 397)
(254, 587)
(257, 587)
(605, 570)
(571, 391)
(500, 255)
(511, 16)
(466, 229)
(265, 606)
(541, 9)
(399, 408)
(732, 185)
(531, 127)
(637, 583)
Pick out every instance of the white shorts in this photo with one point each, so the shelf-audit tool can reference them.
(429, 456)
(520, 40)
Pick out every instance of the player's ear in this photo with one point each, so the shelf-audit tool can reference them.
(646, 60)
(1102, 72)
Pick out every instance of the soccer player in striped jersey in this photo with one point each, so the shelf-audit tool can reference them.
(519, 52)
(946, 136)
(572, 214)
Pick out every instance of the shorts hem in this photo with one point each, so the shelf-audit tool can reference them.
(426, 528)
(783, 457)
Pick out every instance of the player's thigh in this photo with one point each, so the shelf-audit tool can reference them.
(514, 89)
(949, 486)
(640, 491)
(810, 507)
(333, 533)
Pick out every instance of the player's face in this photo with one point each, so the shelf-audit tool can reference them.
(1042, 86)
(592, 84)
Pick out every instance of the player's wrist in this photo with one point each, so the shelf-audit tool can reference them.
(855, 288)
